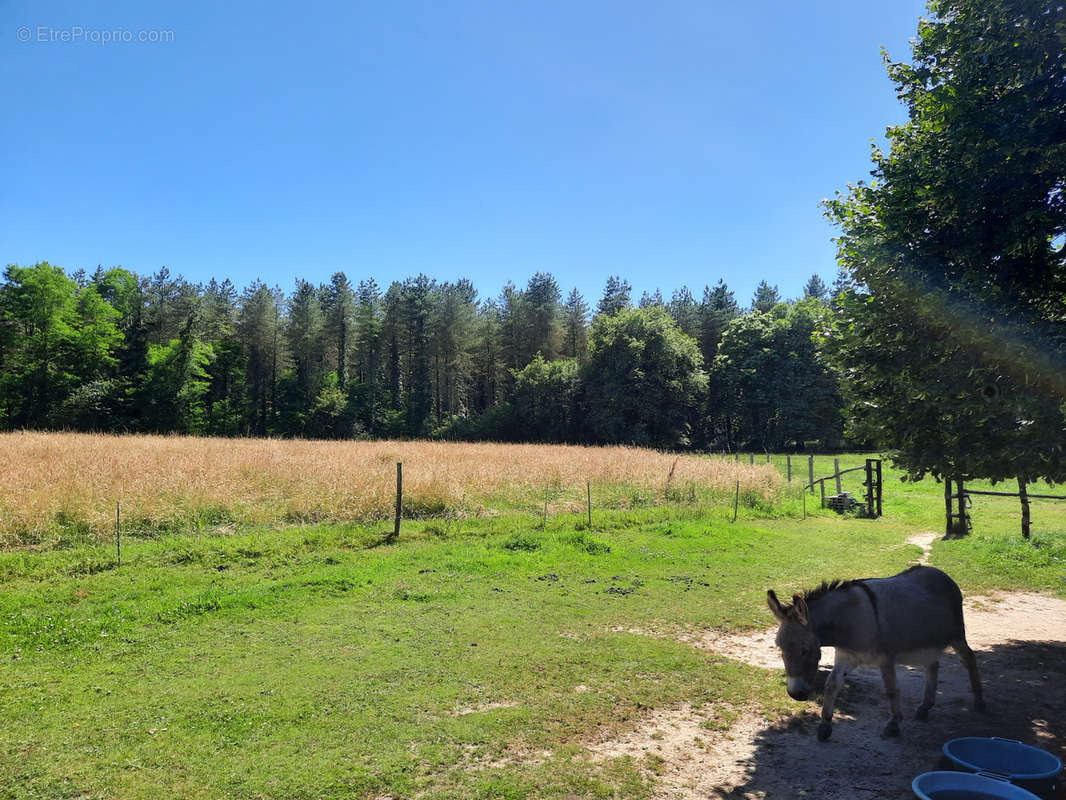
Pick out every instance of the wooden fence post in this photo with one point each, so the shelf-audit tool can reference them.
(963, 527)
(836, 470)
(736, 502)
(588, 489)
(399, 501)
(869, 488)
(880, 488)
(788, 465)
(810, 472)
(751, 459)
(768, 458)
(821, 485)
(1023, 495)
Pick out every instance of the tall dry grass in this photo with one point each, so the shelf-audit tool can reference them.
(56, 481)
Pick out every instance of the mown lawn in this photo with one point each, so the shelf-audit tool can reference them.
(470, 659)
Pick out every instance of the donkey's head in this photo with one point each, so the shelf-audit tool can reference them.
(800, 648)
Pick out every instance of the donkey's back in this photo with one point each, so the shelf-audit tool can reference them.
(917, 609)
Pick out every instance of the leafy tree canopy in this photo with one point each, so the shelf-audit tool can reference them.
(951, 335)
(643, 379)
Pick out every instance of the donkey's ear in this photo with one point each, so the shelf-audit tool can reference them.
(775, 605)
(799, 609)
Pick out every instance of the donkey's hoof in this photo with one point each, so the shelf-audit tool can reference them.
(825, 730)
(922, 713)
(891, 730)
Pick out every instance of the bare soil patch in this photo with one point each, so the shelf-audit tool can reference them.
(1020, 640)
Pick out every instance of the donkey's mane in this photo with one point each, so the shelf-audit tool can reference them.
(827, 586)
(810, 595)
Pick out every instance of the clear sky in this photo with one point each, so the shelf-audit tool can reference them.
(675, 142)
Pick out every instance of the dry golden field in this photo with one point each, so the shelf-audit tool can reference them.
(65, 481)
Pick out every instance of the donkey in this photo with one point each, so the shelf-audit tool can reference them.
(909, 618)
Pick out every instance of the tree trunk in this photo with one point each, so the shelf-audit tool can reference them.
(948, 530)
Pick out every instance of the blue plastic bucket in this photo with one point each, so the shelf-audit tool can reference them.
(1029, 767)
(966, 786)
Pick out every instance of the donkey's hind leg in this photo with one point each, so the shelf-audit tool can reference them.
(970, 661)
(932, 672)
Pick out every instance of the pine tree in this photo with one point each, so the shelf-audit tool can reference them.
(685, 311)
(338, 307)
(258, 328)
(416, 299)
(575, 325)
(615, 296)
(392, 337)
(453, 325)
(489, 368)
(305, 342)
(225, 395)
(765, 298)
(652, 300)
(542, 297)
(718, 308)
(816, 288)
(169, 302)
(368, 361)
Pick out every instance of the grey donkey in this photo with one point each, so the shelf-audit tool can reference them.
(909, 619)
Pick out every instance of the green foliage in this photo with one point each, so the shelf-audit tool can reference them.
(331, 416)
(174, 392)
(53, 336)
(951, 336)
(643, 379)
(544, 398)
(772, 387)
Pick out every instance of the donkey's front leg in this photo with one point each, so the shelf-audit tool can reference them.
(829, 697)
(888, 675)
(929, 696)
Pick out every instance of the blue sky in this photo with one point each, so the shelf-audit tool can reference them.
(670, 143)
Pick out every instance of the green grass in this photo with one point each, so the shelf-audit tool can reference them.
(313, 661)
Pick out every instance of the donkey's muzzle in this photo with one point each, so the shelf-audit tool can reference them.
(798, 689)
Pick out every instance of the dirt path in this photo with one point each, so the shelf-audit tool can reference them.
(924, 541)
(1020, 640)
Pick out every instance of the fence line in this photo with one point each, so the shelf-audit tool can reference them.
(966, 520)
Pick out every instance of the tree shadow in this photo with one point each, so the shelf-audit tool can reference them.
(1024, 684)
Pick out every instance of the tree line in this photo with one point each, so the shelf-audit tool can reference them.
(116, 351)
